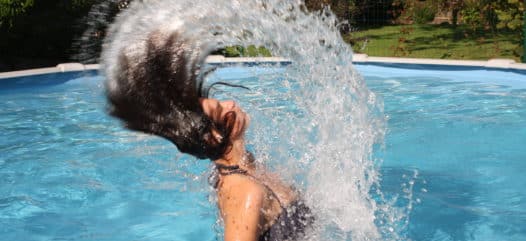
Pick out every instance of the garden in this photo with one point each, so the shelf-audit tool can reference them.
(42, 33)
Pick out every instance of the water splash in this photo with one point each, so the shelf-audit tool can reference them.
(326, 144)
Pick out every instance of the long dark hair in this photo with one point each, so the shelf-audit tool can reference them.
(156, 89)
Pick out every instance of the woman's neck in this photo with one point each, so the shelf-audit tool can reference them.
(236, 156)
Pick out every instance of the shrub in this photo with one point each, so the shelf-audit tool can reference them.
(510, 14)
(232, 51)
(415, 11)
(424, 13)
(9, 9)
(240, 51)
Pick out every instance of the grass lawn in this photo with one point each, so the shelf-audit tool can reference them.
(435, 41)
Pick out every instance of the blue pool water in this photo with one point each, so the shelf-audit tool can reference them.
(69, 172)
(464, 131)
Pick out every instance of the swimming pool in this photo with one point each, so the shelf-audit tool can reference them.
(463, 131)
(69, 172)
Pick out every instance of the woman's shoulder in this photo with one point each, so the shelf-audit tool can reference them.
(240, 183)
(236, 191)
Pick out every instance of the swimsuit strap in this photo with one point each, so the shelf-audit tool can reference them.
(225, 170)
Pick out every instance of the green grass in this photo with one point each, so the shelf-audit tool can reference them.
(436, 41)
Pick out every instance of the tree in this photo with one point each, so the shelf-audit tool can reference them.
(358, 12)
(510, 14)
(39, 33)
(455, 6)
(340, 8)
(9, 9)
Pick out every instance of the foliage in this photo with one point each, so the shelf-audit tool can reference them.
(499, 15)
(472, 16)
(241, 51)
(39, 33)
(417, 11)
(510, 13)
(356, 12)
(478, 15)
(399, 11)
(340, 8)
(374, 12)
(424, 13)
(9, 9)
(13, 9)
(486, 14)
(455, 6)
(435, 41)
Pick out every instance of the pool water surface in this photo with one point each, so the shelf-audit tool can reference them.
(69, 172)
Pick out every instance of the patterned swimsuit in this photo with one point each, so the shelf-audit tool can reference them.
(291, 222)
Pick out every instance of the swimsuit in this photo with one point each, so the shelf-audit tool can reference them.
(291, 222)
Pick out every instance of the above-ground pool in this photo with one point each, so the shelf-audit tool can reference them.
(454, 144)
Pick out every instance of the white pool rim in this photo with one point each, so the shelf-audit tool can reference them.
(504, 64)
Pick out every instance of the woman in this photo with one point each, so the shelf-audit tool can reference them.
(156, 87)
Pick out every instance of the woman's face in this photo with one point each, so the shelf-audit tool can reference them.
(220, 111)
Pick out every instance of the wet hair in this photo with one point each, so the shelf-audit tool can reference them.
(155, 88)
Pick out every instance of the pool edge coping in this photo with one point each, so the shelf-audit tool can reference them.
(60, 68)
(496, 63)
(503, 64)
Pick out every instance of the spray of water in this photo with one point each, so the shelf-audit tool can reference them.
(328, 145)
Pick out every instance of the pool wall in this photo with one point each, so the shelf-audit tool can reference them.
(500, 64)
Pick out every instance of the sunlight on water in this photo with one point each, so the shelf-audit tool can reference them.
(324, 143)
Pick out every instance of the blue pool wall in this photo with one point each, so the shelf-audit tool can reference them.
(65, 72)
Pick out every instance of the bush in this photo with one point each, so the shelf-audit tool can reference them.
(415, 11)
(510, 14)
(240, 51)
(9, 9)
(424, 13)
(39, 33)
(473, 18)
(232, 51)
